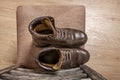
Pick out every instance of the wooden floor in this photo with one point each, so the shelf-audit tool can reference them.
(102, 28)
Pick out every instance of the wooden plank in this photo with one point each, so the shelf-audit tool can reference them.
(7, 69)
(29, 74)
(92, 73)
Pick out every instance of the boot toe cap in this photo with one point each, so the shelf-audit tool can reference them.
(80, 38)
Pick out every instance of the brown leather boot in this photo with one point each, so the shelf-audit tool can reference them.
(56, 58)
(44, 33)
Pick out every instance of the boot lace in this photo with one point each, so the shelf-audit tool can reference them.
(67, 55)
(62, 34)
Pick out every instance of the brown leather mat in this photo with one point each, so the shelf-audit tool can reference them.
(65, 17)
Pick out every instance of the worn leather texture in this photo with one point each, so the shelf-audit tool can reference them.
(65, 17)
(45, 25)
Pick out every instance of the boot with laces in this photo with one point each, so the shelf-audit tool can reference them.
(45, 33)
(54, 59)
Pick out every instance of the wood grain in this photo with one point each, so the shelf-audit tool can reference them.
(102, 27)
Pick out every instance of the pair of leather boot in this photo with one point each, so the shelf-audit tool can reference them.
(69, 55)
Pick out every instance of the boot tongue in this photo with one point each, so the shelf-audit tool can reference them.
(58, 65)
(49, 24)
